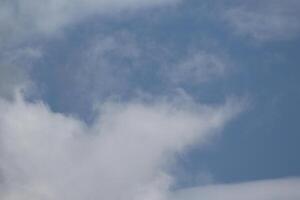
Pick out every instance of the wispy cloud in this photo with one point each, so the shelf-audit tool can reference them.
(14, 67)
(198, 67)
(26, 25)
(265, 20)
(21, 19)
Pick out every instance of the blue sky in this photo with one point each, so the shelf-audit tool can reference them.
(157, 100)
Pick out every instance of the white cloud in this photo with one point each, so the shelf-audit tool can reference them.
(266, 20)
(125, 154)
(276, 189)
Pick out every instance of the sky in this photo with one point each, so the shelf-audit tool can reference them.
(149, 100)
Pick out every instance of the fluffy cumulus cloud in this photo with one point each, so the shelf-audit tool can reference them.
(266, 20)
(124, 154)
(260, 190)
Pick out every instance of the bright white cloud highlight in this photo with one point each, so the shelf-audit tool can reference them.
(124, 155)
(276, 189)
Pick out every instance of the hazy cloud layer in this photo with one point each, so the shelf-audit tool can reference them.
(260, 190)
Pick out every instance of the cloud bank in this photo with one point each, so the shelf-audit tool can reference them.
(125, 154)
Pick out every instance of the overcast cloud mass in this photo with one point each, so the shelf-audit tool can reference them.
(149, 100)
